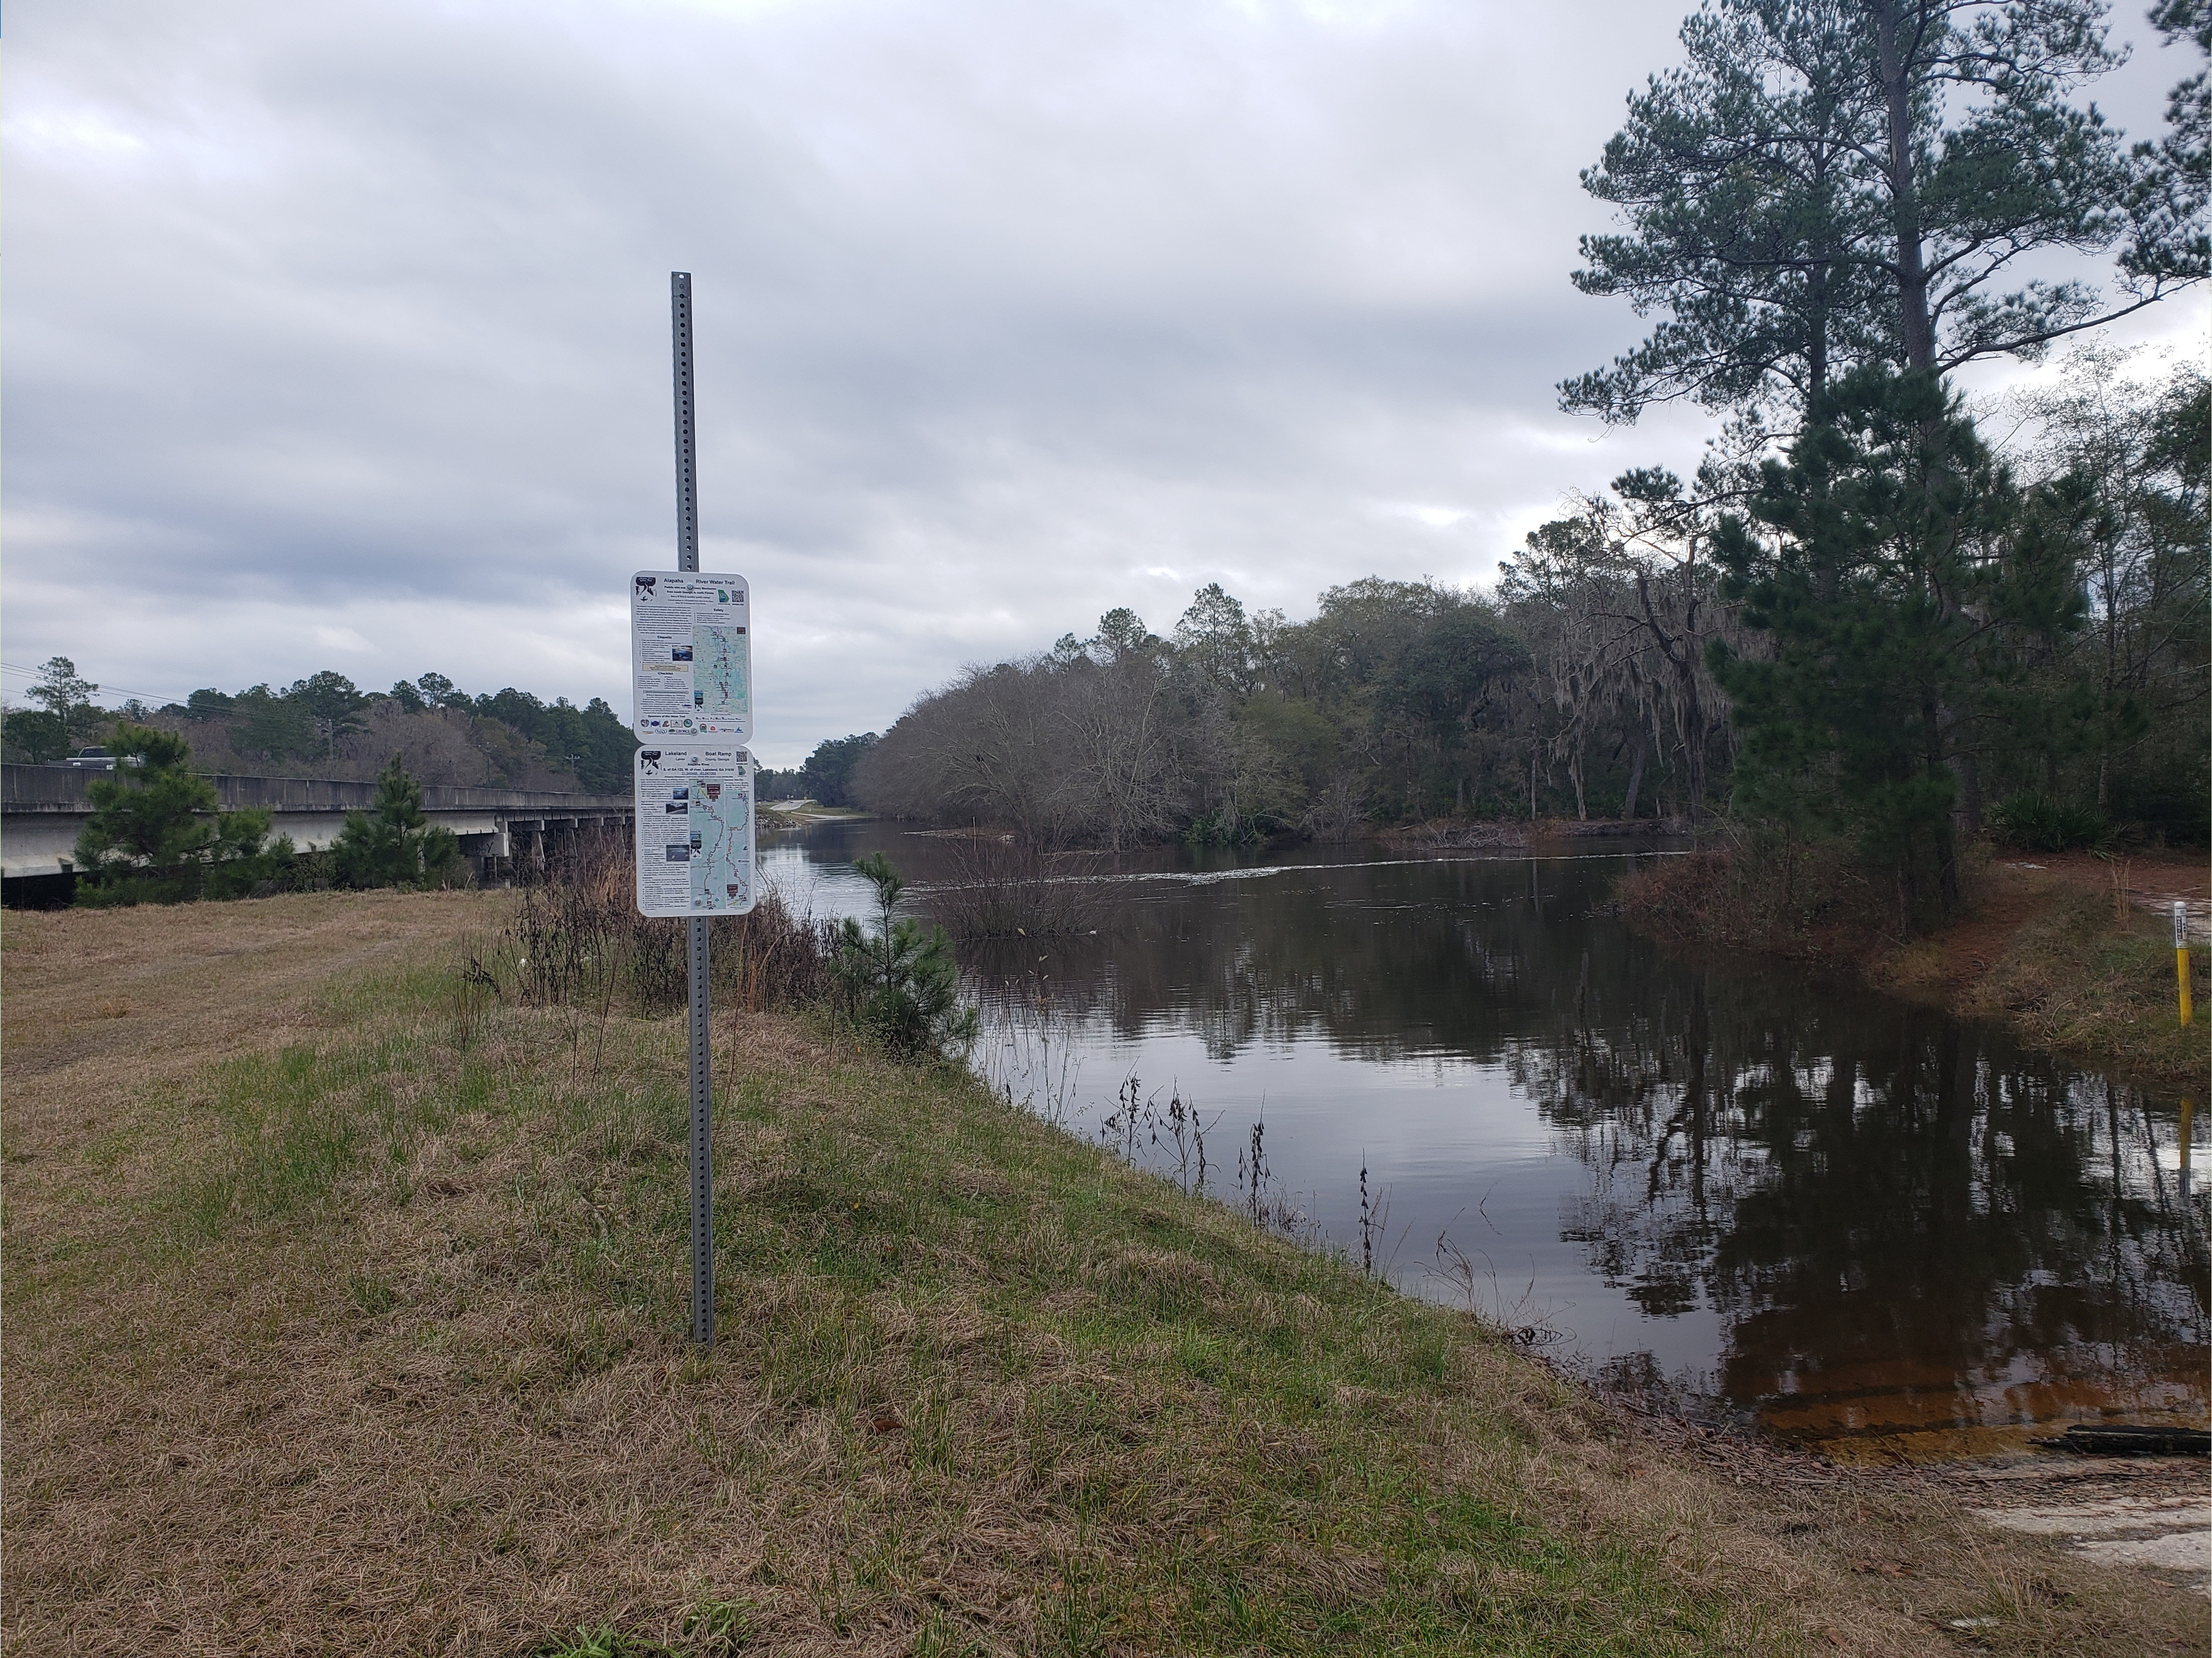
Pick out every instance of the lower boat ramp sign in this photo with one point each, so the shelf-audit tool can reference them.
(693, 804)
(694, 829)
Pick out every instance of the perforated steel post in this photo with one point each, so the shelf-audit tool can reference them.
(702, 1081)
(702, 1147)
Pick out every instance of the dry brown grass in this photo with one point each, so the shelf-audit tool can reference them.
(97, 1006)
(345, 1313)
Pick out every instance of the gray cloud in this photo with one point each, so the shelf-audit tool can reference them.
(337, 336)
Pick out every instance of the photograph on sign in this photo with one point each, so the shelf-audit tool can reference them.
(690, 655)
(695, 830)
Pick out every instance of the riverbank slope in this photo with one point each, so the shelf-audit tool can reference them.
(347, 1308)
(2073, 953)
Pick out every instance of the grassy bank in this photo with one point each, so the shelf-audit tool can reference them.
(2041, 946)
(2069, 972)
(345, 1312)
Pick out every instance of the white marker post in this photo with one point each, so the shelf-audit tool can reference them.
(691, 645)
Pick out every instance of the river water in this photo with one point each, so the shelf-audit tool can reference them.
(1718, 1181)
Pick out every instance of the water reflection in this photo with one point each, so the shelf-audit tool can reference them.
(1864, 1223)
(1912, 1230)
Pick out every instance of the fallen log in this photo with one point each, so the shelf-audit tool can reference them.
(2130, 1439)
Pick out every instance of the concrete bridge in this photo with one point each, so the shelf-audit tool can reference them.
(43, 808)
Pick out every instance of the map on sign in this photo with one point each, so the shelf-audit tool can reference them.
(694, 829)
(691, 658)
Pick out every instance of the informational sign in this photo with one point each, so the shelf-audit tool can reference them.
(690, 655)
(694, 829)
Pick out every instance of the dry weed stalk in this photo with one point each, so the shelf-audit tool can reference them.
(578, 944)
(1032, 1052)
(1139, 1124)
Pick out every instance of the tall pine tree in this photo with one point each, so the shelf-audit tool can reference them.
(1829, 183)
(1893, 567)
(395, 843)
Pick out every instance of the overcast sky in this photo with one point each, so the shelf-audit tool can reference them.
(336, 335)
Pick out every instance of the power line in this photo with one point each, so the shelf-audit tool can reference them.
(154, 698)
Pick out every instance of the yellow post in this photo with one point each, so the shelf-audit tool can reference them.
(2181, 955)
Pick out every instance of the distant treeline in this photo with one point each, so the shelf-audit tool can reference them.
(1661, 652)
(324, 725)
(826, 777)
(1398, 701)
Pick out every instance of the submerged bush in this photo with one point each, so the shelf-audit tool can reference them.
(1809, 899)
(1004, 886)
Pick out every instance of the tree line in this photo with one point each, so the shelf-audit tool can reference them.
(1865, 621)
(826, 776)
(325, 722)
(1895, 624)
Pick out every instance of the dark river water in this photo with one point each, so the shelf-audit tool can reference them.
(1718, 1179)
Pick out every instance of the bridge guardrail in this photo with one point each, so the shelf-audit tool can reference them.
(58, 788)
(42, 808)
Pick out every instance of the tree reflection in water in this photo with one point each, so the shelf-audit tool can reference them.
(1917, 1233)
(1917, 1236)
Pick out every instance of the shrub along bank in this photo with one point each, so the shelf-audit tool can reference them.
(358, 1325)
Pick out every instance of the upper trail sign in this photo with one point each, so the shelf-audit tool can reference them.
(690, 655)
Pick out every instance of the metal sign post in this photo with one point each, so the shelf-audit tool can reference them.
(702, 1081)
(692, 782)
